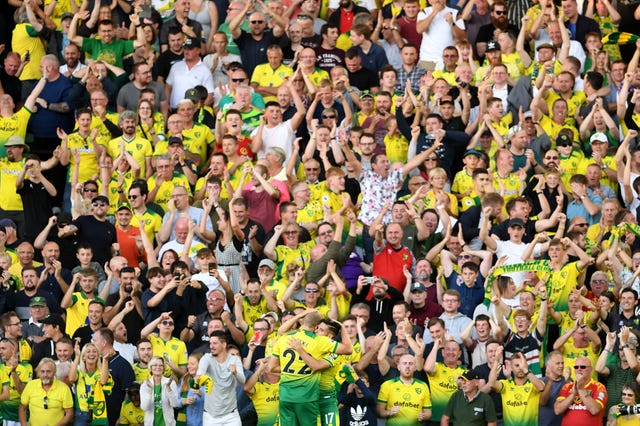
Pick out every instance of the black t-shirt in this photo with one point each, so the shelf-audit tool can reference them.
(254, 52)
(251, 259)
(164, 62)
(11, 85)
(364, 79)
(132, 321)
(101, 235)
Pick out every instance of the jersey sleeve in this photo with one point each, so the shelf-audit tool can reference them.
(383, 395)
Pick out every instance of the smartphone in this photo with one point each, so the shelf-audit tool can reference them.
(369, 280)
(213, 265)
(257, 337)
(27, 56)
(177, 275)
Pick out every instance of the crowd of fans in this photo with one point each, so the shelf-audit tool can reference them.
(226, 212)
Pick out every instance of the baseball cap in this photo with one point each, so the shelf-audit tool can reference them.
(446, 99)
(418, 287)
(192, 94)
(191, 43)
(598, 137)
(100, 198)
(270, 314)
(470, 375)
(175, 140)
(563, 140)
(492, 45)
(66, 15)
(516, 222)
(513, 131)
(8, 223)
(54, 319)
(472, 152)
(268, 263)
(124, 205)
(37, 301)
(528, 114)
(366, 94)
(547, 46)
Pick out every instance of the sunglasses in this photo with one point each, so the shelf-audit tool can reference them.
(328, 116)
(167, 323)
(581, 224)
(552, 158)
(133, 197)
(386, 27)
(630, 395)
(90, 190)
(98, 204)
(500, 12)
(431, 159)
(311, 290)
(580, 367)
(238, 80)
(46, 402)
(256, 22)
(563, 144)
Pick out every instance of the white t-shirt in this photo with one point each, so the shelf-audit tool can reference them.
(281, 136)
(514, 255)
(439, 34)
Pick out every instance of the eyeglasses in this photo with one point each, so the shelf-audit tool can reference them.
(46, 402)
(449, 300)
(96, 204)
(552, 158)
(328, 116)
(15, 324)
(90, 190)
(465, 256)
(521, 319)
(179, 195)
(311, 290)
(167, 323)
(133, 197)
(256, 22)
(580, 367)
(599, 281)
(238, 80)
(500, 12)
(291, 232)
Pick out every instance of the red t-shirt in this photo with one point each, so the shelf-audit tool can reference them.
(577, 414)
(128, 246)
(388, 264)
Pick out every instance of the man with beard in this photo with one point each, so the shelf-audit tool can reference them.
(380, 297)
(521, 394)
(72, 61)
(499, 21)
(130, 291)
(327, 54)
(139, 148)
(129, 95)
(22, 301)
(47, 398)
(343, 16)
(54, 278)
